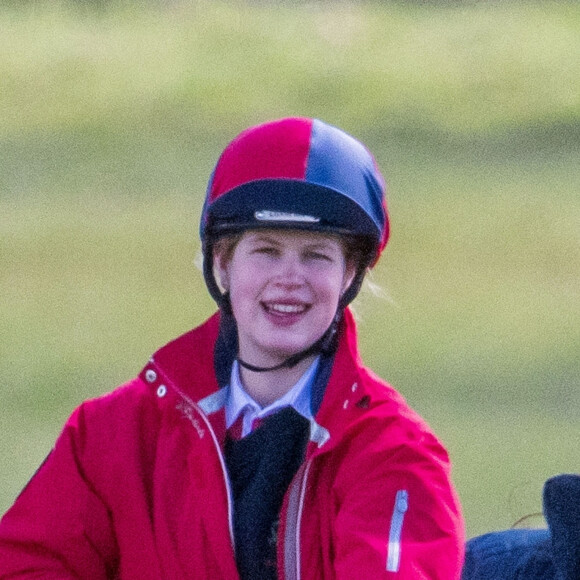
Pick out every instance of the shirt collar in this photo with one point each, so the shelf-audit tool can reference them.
(238, 401)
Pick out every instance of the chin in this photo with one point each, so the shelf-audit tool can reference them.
(284, 351)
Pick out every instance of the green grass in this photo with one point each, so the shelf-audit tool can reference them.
(111, 119)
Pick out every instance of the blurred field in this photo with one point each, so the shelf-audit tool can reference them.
(111, 118)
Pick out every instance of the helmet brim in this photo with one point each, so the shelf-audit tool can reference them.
(289, 204)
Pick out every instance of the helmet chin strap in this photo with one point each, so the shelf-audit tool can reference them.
(322, 345)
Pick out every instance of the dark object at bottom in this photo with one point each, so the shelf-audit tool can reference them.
(529, 554)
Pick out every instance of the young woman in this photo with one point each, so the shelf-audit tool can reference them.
(256, 446)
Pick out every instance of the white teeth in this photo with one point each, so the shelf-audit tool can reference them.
(287, 308)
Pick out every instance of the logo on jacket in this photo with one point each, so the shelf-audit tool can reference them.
(188, 413)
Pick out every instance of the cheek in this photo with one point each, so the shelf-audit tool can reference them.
(330, 287)
(243, 287)
(241, 307)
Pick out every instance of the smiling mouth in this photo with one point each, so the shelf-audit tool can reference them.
(285, 309)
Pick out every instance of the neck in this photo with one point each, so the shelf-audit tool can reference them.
(267, 387)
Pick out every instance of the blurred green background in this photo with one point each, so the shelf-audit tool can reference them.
(112, 116)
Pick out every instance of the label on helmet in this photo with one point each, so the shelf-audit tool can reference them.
(266, 215)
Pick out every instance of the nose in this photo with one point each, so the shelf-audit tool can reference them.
(289, 273)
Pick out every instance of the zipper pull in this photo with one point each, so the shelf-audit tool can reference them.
(394, 548)
(402, 500)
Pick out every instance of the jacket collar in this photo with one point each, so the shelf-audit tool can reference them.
(186, 364)
(344, 388)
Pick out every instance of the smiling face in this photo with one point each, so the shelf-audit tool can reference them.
(284, 289)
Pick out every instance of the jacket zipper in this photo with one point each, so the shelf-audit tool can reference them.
(296, 496)
(226, 477)
(394, 550)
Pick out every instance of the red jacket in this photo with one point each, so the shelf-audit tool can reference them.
(136, 487)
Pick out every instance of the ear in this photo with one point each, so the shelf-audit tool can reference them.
(349, 274)
(221, 267)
